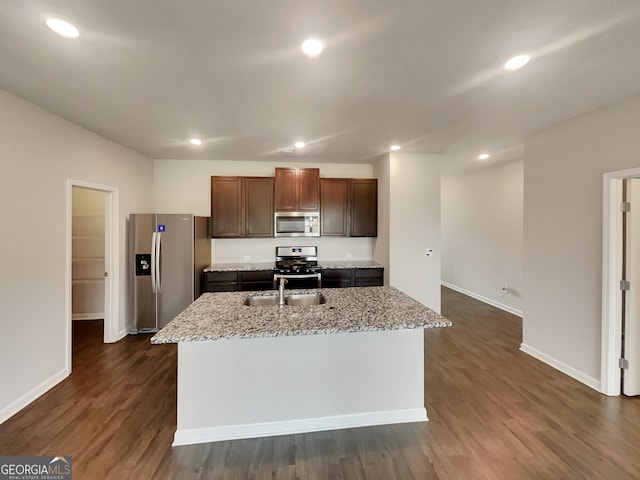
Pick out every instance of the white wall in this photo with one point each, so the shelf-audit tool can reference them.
(184, 186)
(382, 171)
(38, 153)
(411, 186)
(234, 250)
(563, 233)
(482, 233)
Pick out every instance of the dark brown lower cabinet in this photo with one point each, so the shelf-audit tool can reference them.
(263, 279)
(352, 277)
(368, 277)
(237, 281)
(337, 277)
(219, 282)
(255, 280)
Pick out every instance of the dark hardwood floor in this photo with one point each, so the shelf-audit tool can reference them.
(495, 413)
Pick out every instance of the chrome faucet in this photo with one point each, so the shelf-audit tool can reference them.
(283, 282)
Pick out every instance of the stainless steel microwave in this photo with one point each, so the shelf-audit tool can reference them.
(297, 224)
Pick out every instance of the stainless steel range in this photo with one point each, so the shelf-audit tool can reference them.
(299, 266)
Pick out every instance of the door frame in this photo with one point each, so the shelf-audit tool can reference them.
(612, 242)
(111, 260)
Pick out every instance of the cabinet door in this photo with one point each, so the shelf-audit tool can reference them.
(219, 282)
(309, 189)
(334, 202)
(286, 189)
(337, 277)
(368, 277)
(256, 280)
(226, 207)
(364, 207)
(258, 195)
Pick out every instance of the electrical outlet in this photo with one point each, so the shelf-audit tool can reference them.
(349, 255)
(247, 258)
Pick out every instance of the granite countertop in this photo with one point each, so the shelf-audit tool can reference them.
(333, 264)
(253, 266)
(240, 267)
(215, 316)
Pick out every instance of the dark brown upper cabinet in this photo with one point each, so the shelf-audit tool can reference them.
(227, 207)
(363, 197)
(258, 195)
(297, 189)
(241, 207)
(334, 207)
(349, 207)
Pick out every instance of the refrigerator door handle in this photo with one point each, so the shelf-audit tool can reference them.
(153, 262)
(158, 276)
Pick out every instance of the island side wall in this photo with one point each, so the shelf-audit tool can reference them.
(257, 387)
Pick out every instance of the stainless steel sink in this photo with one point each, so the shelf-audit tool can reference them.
(305, 299)
(261, 300)
(296, 299)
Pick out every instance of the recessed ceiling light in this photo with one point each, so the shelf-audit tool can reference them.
(517, 62)
(483, 156)
(395, 147)
(195, 141)
(300, 144)
(312, 47)
(62, 28)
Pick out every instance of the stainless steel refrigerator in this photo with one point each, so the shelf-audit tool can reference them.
(167, 254)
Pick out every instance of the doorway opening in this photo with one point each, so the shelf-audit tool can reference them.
(614, 268)
(92, 262)
(87, 260)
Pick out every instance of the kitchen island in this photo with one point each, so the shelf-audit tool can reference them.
(251, 371)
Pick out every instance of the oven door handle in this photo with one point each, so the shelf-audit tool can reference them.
(276, 276)
(295, 275)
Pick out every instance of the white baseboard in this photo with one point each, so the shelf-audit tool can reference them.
(14, 407)
(87, 316)
(588, 380)
(122, 333)
(318, 424)
(489, 301)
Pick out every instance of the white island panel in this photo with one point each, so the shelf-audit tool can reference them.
(255, 387)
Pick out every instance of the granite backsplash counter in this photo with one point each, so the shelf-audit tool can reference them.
(216, 316)
(255, 266)
(240, 267)
(336, 264)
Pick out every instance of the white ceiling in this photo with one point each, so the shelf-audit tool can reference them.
(424, 74)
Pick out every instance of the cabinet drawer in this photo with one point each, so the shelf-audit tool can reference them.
(256, 276)
(369, 282)
(336, 282)
(256, 286)
(368, 272)
(221, 276)
(220, 287)
(331, 273)
(255, 280)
